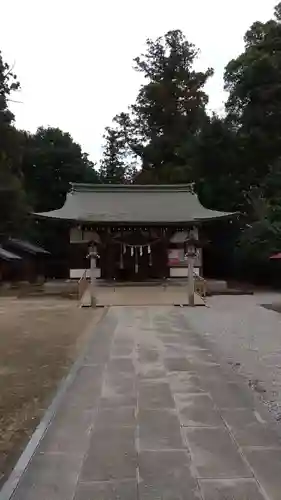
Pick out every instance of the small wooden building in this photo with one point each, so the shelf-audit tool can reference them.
(32, 258)
(10, 265)
(140, 231)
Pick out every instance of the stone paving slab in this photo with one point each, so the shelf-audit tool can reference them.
(111, 455)
(178, 364)
(267, 467)
(151, 371)
(199, 417)
(109, 490)
(52, 476)
(229, 395)
(123, 416)
(69, 432)
(159, 429)
(155, 394)
(257, 435)
(214, 454)
(185, 383)
(231, 489)
(115, 401)
(240, 418)
(152, 413)
(166, 475)
(85, 390)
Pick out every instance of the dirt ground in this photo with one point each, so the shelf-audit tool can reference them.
(39, 340)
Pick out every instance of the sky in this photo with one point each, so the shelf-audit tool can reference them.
(73, 58)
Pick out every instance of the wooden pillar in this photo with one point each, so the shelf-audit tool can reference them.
(93, 280)
(168, 235)
(190, 260)
(103, 255)
(107, 255)
(191, 255)
(165, 255)
(109, 262)
(93, 256)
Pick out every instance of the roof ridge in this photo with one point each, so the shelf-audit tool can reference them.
(90, 187)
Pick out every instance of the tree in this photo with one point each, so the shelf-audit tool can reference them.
(8, 84)
(161, 127)
(254, 103)
(217, 166)
(254, 113)
(112, 167)
(13, 208)
(51, 161)
(12, 200)
(261, 237)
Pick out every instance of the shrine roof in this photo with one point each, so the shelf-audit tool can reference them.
(8, 256)
(133, 204)
(26, 246)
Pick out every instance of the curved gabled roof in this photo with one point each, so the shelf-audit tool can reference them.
(8, 256)
(135, 204)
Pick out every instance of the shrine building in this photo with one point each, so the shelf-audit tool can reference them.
(139, 231)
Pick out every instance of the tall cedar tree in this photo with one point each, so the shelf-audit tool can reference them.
(254, 112)
(13, 206)
(112, 167)
(169, 112)
(254, 103)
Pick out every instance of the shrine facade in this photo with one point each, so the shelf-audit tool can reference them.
(139, 231)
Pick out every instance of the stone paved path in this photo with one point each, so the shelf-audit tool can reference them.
(143, 295)
(153, 414)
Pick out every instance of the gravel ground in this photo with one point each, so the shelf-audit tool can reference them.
(39, 340)
(249, 337)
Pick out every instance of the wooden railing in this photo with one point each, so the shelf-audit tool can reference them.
(82, 285)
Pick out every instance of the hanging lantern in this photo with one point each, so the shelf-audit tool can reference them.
(132, 251)
(141, 251)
